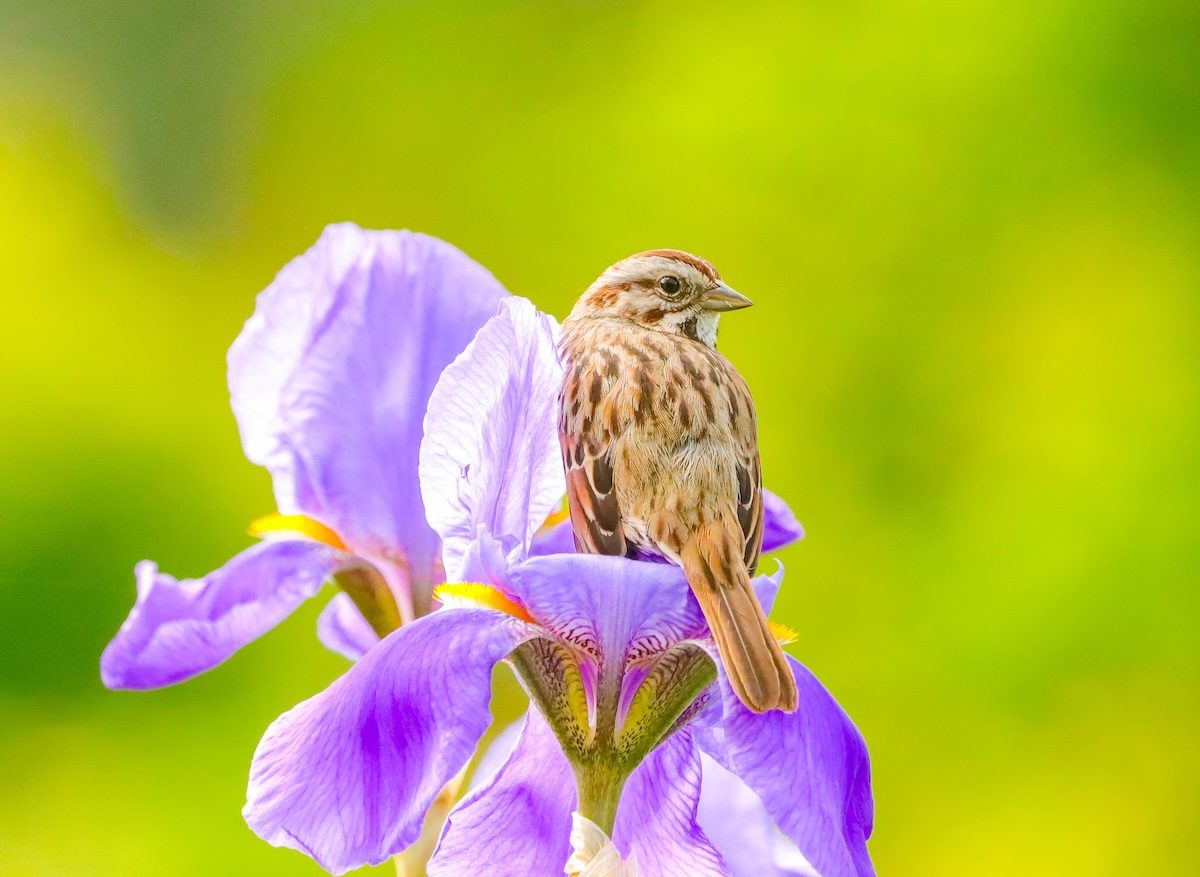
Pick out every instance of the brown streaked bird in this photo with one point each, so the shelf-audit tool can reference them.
(660, 443)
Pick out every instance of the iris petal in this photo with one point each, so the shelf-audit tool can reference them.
(810, 768)
(557, 538)
(330, 378)
(518, 824)
(342, 628)
(178, 629)
(490, 457)
(656, 821)
(780, 527)
(593, 854)
(740, 827)
(348, 775)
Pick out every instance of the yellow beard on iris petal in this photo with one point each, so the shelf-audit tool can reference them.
(302, 525)
(475, 595)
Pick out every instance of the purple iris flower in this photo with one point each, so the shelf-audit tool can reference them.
(329, 381)
(607, 648)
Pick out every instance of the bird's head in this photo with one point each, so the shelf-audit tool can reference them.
(666, 290)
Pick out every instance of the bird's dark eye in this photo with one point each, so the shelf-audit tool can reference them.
(669, 284)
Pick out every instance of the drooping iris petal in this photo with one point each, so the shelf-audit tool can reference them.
(656, 821)
(738, 825)
(490, 457)
(348, 775)
(810, 768)
(342, 628)
(330, 378)
(178, 629)
(519, 823)
(780, 527)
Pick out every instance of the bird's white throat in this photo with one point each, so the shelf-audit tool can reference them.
(702, 326)
(706, 327)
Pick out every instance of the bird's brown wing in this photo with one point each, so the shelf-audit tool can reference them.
(595, 515)
(750, 507)
(747, 465)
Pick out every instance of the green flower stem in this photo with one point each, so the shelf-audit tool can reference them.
(599, 793)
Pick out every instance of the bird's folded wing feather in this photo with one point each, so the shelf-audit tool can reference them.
(750, 507)
(595, 514)
(747, 464)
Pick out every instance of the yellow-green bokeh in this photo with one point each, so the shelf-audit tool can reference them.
(972, 233)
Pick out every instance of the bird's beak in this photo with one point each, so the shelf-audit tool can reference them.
(724, 298)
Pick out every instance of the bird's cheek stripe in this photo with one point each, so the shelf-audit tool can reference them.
(300, 524)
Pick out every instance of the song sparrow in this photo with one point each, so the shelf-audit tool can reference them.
(660, 443)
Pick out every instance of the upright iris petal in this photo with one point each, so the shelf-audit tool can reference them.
(490, 456)
(329, 381)
(780, 527)
(330, 378)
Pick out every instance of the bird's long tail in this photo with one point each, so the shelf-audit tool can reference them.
(756, 666)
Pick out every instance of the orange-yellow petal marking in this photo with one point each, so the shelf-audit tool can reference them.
(557, 516)
(783, 634)
(302, 524)
(475, 595)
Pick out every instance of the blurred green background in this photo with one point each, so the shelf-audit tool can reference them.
(972, 233)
